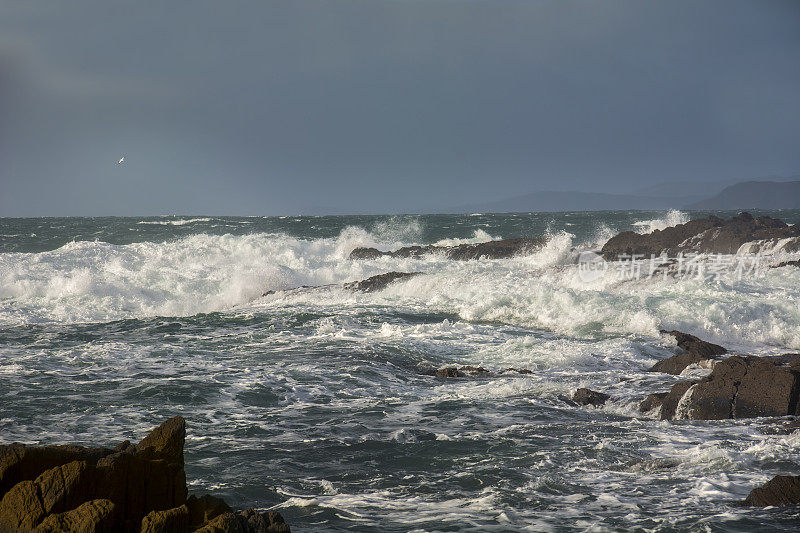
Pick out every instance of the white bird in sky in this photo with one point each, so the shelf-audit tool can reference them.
(122, 160)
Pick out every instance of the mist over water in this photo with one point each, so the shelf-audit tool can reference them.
(316, 402)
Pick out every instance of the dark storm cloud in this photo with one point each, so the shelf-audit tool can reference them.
(385, 105)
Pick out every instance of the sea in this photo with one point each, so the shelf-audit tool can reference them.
(316, 401)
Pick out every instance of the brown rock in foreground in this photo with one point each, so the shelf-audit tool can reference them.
(501, 249)
(128, 488)
(694, 349)
(778, 491)
(738, 387)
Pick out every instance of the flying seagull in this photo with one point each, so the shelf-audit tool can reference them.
(122, 160)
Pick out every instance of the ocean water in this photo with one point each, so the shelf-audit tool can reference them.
(315, 401)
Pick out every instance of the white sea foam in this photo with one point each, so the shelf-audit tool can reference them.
(95, 281)
(179, 222)
(672, 218)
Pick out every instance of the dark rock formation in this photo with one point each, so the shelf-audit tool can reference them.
(711, 235)
(738, 387)
(788, 263)
(695, 351)
(778, 491)
(449, 372)
(585, 396)
(376, 283)
(501, 249)
(667, 401)
(128, 488)
(472, 371)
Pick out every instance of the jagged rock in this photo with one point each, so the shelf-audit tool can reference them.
(585, 396)
(778, 491)
(695, 351)
(247, 521)
(56, 490)
(176, 519)
(376, 283)
(449, 372)
(166, 441)
(475, 370)
(787, 263)
(19, 462)
(517, 370)
(711, 235)
(738, 387)
(205, 508)
(667, 401)
(129, 488)
(501, 249)
(94, 516)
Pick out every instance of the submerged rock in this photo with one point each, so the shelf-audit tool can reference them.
(711, 235)
(376, 283)
(695, 351)
(128, 488)
(585, 396)
(778, 491)
(501, 249)
(738, 387)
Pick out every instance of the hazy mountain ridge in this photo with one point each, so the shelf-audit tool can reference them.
(782, 193)
(754, 194)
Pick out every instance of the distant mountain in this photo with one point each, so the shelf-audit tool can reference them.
(754, 194)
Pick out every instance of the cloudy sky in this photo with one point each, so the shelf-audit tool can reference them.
(385, 105)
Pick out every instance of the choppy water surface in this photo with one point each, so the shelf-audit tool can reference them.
(316, 402)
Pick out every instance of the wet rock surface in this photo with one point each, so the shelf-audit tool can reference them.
(128, 488)
(381, 281)
(778, 491)
(711, 235)
(738, 387)
(501, 249)
(585, 396)
(695, 351)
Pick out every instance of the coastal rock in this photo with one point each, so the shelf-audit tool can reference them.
(778, 491)
(666, 401)
(695, 351)
(247, 521)
(376, 283)
(711, 235)
(501, 249)
(449, 372)
(128, 488)
(585, 396)
(94, 516)
(738, 387)
(788, 263)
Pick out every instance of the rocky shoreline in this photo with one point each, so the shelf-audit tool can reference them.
(128, 488)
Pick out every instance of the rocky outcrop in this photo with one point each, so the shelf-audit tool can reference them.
(778, 491)
(711, 235)
(585, 396)
(738, 387)
(376, 283)
(501, 249)
(128, 488)
(695, 351)
(472, 371)
(666, 402)
(788, 263)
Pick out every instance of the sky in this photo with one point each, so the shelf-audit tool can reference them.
(371, 106)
